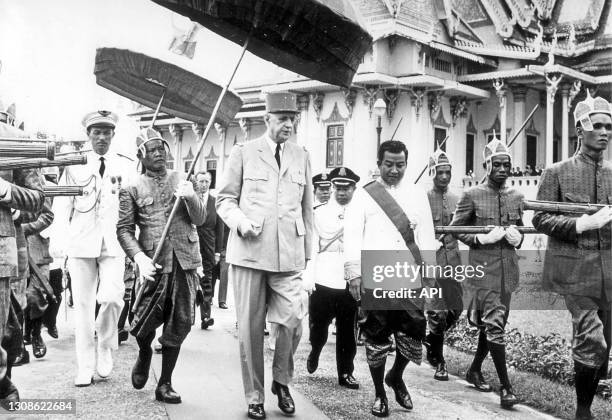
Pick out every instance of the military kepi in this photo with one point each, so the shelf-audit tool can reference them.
(281, 102)
(321, 180)
(343, 176)
(101, 118)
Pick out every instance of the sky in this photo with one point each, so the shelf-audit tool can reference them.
(47, 51)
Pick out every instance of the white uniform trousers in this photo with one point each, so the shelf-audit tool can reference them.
(94, 279)
(287, 304)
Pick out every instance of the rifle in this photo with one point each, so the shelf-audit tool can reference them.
(62, 190)
(561, 207)
(425, 168)
(12, 164)
(455, 230)
(27, 148)
(37, 276)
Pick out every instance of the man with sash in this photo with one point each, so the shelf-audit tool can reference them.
(331, 298)
(443, 312)
(390, 214)
(170, 287)
(492, 203)
(322, 189)
(578, 259)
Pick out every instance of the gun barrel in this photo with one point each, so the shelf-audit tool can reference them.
(561, 207)
(62, 190)
(477, 229)
(27, 149)
(13, 164)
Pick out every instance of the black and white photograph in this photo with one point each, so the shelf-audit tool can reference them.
(308, 209)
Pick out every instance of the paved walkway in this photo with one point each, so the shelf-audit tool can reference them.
(208, 378)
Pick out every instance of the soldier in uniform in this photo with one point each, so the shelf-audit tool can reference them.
(331, 298)
(322, 189)
(390, 214)
(578, 260)
(170, 286)
(492, 203)
(265, 198)
(84, 230)
(20, 190)
(444, 312)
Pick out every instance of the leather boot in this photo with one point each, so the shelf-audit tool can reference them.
(22, 359)
(39, 349)
(27, 330)
(586, 379)
(433, 344)
(312, 363)
(165, 393)
(140, 371)
(8, 393)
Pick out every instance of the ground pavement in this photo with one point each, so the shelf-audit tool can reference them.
(208, 378)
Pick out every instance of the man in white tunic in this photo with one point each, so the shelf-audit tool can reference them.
(84, 230)
(369, 227)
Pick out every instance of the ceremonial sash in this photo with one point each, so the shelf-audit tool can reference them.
(397, 216)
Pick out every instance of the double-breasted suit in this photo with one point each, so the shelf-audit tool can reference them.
(267, 269)
(84, 230)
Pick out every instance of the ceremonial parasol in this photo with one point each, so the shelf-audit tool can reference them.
(320, 39)
(162, 86)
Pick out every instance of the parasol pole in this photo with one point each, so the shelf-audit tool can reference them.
(425, 168)
(201, 148)
(158, 107)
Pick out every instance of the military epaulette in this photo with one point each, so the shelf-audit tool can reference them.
(318, 205)
(125, 156)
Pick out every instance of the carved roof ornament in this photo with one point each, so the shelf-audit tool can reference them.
(544, 8)
(317, 99)
(552, 84)
(551, 52)
(522, 12)
(369, 97)
(571, 40)
(335, 116)
(435, 104)
(245, 126)
(198, 129)
(470, 128)
(394, 7)
(573, 92)
(416, 99)
(303, 101)
(391, 96)
(458, 108)
(500, 92)
(350, 97)
(504, 25)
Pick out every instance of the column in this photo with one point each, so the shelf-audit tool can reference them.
(551, 90)
(198, 130)
(565, 88)
(177, 135)
(519, 147)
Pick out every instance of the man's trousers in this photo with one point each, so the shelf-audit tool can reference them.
(86, 273)
(325, 305)
(286, 303)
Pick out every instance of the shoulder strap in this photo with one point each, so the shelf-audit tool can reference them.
(397, 216)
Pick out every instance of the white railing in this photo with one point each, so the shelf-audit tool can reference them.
(516, 182)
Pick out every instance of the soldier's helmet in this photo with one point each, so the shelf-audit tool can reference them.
(588, 107)
(439, 158)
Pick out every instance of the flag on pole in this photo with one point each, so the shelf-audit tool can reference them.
(184, 42)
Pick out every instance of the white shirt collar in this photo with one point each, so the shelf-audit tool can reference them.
(272, 146)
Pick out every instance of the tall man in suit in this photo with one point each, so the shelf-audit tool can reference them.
(578, 262)
(170, 286)
(84, 230)
(265, 198)
(211, 242)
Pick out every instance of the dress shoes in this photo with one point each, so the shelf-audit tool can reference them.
(380, 408)
(285, 401)
(476, 379)
(165, 393)
(8, 393)
(312, 363)
(441, 373)
(104, 366)
(39, 349)
(256, 411)
(22, 359)
(123, 335)
(52, 331)
(347, 380)
(222, 305)
(83, 378)
(140, 371)
(402, 396)
(207, 322)
(507, 398)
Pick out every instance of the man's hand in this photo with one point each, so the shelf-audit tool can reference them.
(249, 229)
(217, 258)
(492, 237)
(146, 268)
(200, 271)
(594, 221)
(308, 281)
(355, 288)
(185, 190)
(513, 236)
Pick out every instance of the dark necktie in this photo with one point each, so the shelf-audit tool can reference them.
(102, 166)
(277, 154)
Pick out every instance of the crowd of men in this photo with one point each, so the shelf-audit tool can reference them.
(292, 246)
